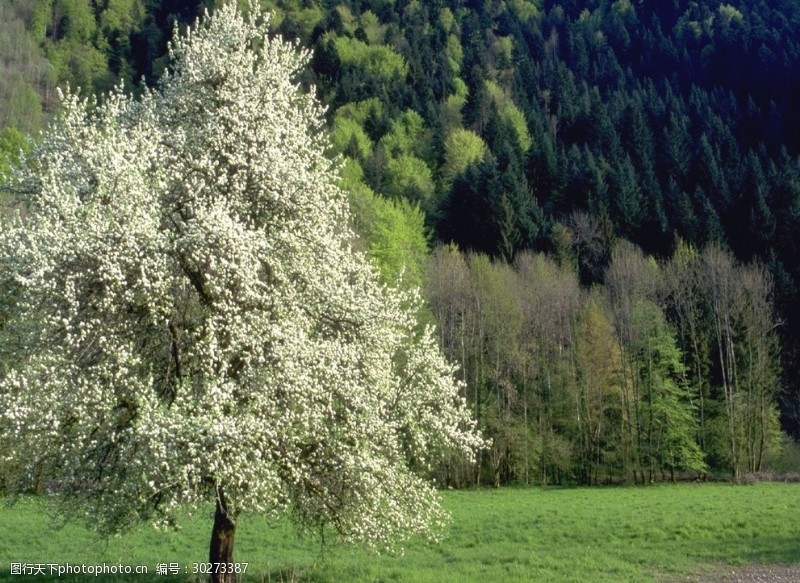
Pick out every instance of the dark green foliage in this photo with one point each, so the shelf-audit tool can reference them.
(513, 126)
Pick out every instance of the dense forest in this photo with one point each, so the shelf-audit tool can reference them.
(599, 200)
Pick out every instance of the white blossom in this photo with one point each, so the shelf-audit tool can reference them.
(187, 314)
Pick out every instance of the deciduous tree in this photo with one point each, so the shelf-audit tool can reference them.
(191, 326)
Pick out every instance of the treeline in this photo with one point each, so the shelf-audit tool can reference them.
(667, 371)
(511, 127)
(502, 119)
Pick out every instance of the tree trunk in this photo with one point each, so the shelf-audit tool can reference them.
(221, 552)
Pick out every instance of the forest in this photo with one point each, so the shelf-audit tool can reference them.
(598, 200)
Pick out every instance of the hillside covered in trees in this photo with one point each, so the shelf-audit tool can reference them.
(600, 201)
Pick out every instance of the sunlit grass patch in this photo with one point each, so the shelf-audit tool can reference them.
(559, 535)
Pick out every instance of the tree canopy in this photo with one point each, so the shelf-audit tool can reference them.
(186, 322)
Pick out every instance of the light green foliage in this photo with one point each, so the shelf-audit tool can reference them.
(503, 51)
(513, 116)
(122, 16)
(393, 230)
(455, 54)
(12, 144)
(495, 283)
(74, 21)
(348, 137)
(758, 367)
(378, 62)
(408, 135)
(742, 327)
(496, 94)
(501, 320)
(599, 394)
(461, 89)
(306, 19)
(351, 177)
(595, 385)
(525, 9)
(23, 70)
(347, 130)
(41, 15)
(360, 111)
(345, 16)
(622, 6)
(374, 30)
(72, 43)
(303, 16)
(510, 328)
(191, 324)
(447, 20)
(118, 21)
(20, 105)
(398, 243)
(510, 114)
(409, 177)
(452, 106)
(728, 14)
(405, 146)
(671, 426)
(461, 149)
(87, 66)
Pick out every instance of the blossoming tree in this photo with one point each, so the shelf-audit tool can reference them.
(186, 322)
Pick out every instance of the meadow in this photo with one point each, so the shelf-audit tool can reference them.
(650, 534)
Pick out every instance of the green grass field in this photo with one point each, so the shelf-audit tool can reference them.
(656, 533)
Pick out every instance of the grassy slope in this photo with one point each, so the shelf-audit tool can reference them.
(599, 535)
